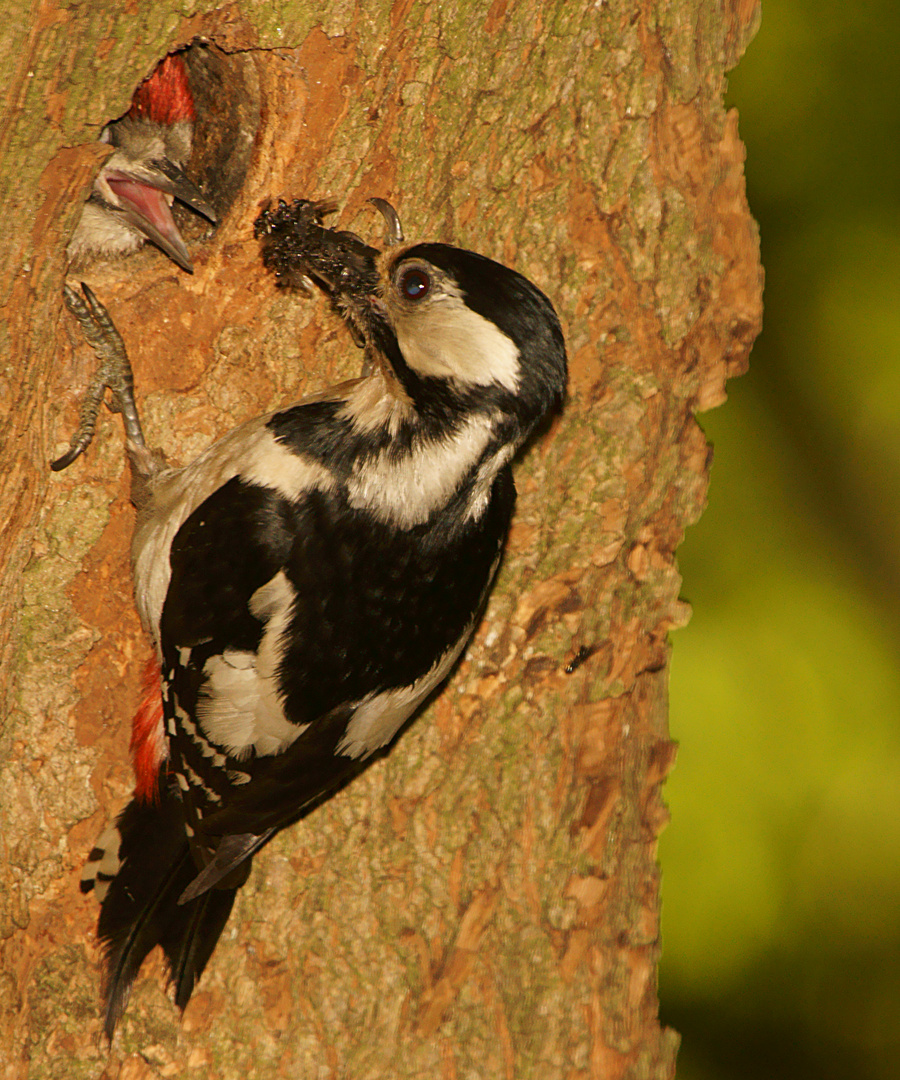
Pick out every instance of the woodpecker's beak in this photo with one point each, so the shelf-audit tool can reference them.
(145, 202)
(302, 251)
(173, 182)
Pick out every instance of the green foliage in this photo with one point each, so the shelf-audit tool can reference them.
(782, 866)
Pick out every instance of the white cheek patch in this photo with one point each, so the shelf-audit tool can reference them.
(98, 229)
(449, 340)
(406, 491)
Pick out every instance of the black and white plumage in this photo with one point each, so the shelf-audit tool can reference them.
(311, 578)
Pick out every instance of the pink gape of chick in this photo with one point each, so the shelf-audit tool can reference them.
(132, 195)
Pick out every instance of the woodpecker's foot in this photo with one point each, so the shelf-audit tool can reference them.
(114, 372)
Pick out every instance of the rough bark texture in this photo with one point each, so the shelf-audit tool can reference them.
(484, 902)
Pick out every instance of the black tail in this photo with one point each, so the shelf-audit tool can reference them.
(139, 886)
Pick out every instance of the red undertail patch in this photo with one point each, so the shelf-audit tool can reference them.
(148, 738)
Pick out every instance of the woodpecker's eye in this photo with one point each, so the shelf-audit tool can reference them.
(414, 284)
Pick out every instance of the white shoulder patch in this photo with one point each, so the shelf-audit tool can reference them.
(273, 598)
(252, 452)
(235, 710)
(239, 707)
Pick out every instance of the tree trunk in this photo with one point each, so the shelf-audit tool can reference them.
(483, 902)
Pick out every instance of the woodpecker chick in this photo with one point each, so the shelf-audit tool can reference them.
(133, 193)
(314, 576)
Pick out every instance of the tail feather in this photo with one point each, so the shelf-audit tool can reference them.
(192, 937)
(140, 908)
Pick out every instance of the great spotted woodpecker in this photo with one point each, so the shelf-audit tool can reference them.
(132, 195)
(312, 577)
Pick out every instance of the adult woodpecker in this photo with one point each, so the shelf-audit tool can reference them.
(312, 577)
(132, 195)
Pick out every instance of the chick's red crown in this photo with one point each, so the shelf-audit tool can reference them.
(165, 97)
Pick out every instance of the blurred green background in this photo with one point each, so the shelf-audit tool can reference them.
(781, 868)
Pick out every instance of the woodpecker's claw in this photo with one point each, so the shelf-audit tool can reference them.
(114, 372)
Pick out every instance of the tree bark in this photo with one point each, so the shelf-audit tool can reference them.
(484, 901)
